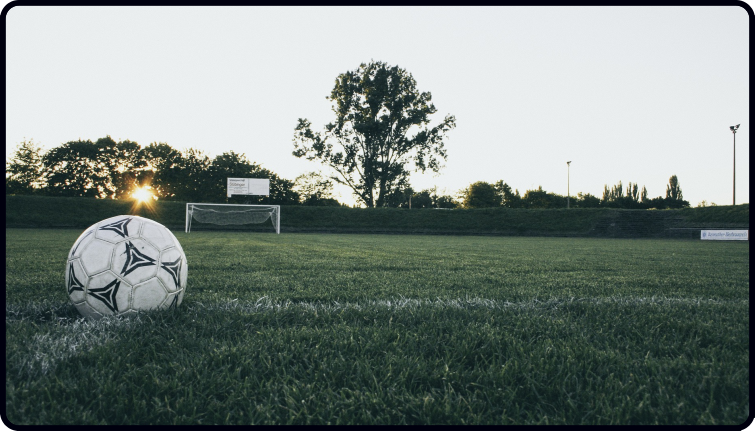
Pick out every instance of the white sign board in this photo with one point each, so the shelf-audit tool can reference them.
(725, 235)
(248, 186)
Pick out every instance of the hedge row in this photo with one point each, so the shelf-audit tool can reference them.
(60, 212)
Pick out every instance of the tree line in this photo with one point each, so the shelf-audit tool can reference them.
(109, 169)
(484, 195)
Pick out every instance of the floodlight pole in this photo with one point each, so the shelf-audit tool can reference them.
(568, 165)
(734, 180)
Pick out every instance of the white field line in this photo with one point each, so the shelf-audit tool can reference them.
(267, 304)
(77, 336)
(67, 337)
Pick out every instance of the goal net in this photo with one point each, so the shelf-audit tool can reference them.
(232, 214)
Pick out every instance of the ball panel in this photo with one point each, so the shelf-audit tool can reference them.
(184, 274)
(81, 242)
(149, 295)
(129, 312)
(175, 240)
(118, 228)
(172, 264)
(76, 279)
(180, 297)
(135, 260)
(158, 235)
(108, 294)
(85, 310)
(172, 301)
(96, 256)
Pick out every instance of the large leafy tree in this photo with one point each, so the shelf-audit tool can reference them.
(78, 168)
(509, 198)
(481, 195)
(128, 168)
(160, 172)
(104, 169)
(381, 125)
(542, 199)
(24, 170)
(188, 177)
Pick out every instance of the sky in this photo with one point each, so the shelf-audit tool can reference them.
(631, 94)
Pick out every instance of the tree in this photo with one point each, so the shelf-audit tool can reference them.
(541, 199)
(24, 171)
(587, 200)
(161, 159)
(103, 169)
(189, 179)
(673, 189)
(428, 198)
(369, 145)
(509, 199)
(633, 192)
(674, 198)
(422, 199)
(439, 201)
(128, 168)
(616, 197)
(399, 196)
(77, 168)
(481, 195)
(315, 190)
(443, 201)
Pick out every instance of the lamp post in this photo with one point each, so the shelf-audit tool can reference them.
(568, 165)
(734, 185)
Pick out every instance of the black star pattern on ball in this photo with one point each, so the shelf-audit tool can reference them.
(73, 282)
(173, 268)
(174, 303)
(120, 227)
(107, 294)
(135, 259)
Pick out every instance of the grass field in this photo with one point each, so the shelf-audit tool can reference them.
(389, 329)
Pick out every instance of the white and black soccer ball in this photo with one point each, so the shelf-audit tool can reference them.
(123, 265)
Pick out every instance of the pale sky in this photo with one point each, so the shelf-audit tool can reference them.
(630, 94)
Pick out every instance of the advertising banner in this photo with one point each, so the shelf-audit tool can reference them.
(725, 235)
(248, 186)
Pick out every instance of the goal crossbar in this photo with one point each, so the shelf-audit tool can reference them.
(232, 214)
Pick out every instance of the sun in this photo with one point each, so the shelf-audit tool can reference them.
(142, 194)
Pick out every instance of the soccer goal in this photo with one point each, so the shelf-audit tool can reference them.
(233, 214)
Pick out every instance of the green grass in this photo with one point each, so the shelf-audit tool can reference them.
(387, 329)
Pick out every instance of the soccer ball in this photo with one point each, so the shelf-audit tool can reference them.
(123, 265)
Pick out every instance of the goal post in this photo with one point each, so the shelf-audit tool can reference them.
(232, 214)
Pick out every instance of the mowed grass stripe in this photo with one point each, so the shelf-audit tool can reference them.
(460, 330)
(581, 362)
(64, 312)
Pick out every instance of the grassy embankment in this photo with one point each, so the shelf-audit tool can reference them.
(30, 211)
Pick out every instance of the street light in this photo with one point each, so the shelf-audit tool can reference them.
(734, 192)
(568, 165)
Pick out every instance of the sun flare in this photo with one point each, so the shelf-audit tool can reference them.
(142, 194)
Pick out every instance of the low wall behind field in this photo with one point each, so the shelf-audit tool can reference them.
(59, 212)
